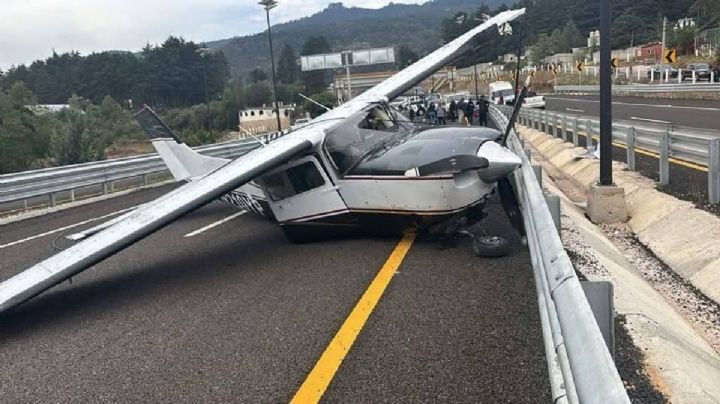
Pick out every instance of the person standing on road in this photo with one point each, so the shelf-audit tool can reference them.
(461, 113)
(441, 114)
(452, 109)
(482, 108)
(432, 114)
(469, 111)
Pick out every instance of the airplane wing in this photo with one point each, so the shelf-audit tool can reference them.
(154, 215)
(422, 69)
(146, 220)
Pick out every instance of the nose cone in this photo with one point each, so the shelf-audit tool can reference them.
(502, 161)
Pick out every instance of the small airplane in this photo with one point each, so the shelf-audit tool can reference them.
(361, 166)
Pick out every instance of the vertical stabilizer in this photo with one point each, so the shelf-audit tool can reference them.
(183, 162)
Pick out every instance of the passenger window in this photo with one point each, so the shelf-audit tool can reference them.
(293, 181)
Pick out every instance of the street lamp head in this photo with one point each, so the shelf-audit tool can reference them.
(268, 4)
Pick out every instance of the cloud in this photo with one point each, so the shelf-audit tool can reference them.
(31, 29)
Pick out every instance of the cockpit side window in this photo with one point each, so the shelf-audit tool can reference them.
(295, 180)
(379, 118)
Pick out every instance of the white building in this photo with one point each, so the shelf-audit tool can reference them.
(593, 39)
(509, 58)
(258, 120)
(684, 23)
(559, 58)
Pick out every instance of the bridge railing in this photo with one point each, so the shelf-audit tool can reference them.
(695, 148)
(51, 181)
(579, 364)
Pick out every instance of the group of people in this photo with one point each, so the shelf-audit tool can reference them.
(463, 112)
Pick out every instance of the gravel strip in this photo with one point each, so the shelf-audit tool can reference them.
(629, 359)
(703, 313)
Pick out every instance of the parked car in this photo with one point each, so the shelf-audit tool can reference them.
(532, 100)
(702, 72)
(658, 71)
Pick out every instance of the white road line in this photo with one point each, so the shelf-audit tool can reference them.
(649, 120)
(574, 110)
(66, 228)
(639, 105)
(218, 223)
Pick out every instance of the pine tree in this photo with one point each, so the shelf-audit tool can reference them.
(287, 71)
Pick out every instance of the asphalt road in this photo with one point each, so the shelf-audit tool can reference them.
(692, 113)
(237, 314)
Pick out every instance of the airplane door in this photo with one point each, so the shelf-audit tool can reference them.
(301, 191)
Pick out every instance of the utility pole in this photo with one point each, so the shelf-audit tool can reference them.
(476, 86)
(347, 75)
(662, 51)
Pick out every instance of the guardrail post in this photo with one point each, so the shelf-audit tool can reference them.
(588, 134)
(553, 203)
(576, 141)
(630, 142)
(537, 169)
(665, 158)
(679, 76)
(693, 77)
(714, 171)
(53, 199)
(652, 75)
(564, 128)
(145, 179)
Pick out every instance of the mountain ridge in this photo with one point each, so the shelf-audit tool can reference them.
(415, 25)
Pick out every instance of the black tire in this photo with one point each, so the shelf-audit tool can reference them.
(490, 246)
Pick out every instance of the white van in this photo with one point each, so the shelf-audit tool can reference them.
(501, 90)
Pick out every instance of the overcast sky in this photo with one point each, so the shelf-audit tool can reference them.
(30, 29)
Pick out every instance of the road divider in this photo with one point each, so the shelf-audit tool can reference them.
(319, 378)
(215, 224)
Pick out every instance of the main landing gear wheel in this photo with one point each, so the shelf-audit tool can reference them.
(490, 246)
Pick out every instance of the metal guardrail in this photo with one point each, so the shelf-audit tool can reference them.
(642, 88)
(667, 143)
(579, 364)
(51, 181)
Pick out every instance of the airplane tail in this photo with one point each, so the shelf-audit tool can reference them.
(183, 162)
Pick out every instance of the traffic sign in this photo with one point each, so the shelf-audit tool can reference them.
(614, 63)
(555, 69)
(670, 55)
(580, 66)
(532, 73)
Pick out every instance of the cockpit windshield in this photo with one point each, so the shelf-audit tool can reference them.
(350, 142)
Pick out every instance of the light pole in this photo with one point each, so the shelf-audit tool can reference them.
(203, 52)
(269, 4)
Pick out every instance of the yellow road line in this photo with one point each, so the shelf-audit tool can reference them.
(322, 374)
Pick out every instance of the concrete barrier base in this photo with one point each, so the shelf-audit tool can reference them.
(606, 204)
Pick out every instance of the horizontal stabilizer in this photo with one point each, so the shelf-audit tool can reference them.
(146, 220)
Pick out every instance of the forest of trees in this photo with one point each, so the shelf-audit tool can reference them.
(103, 89)
(173, 74)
